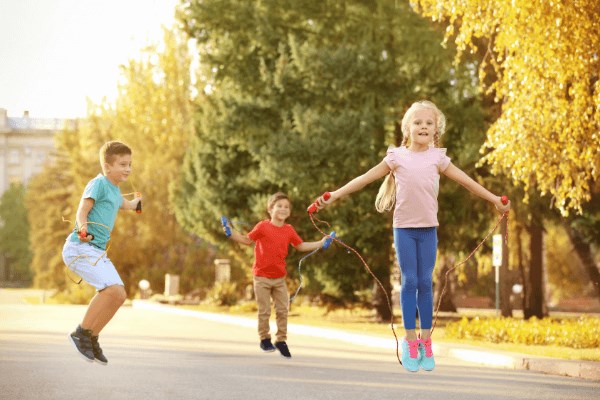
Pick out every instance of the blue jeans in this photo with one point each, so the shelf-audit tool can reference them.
(416, 250)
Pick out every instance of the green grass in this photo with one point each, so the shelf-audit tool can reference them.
(363, 321)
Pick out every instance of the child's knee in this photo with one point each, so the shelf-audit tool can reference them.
(117, 293)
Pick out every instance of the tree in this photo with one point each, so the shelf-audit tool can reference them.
(301, 97)
(545, 56)
(50, 198)
(14, 235)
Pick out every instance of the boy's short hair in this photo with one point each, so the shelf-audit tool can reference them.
(275, 198)
(109, 150)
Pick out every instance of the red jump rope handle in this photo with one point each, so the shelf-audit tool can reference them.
(504, 200)
(313, 207)
(84, 234)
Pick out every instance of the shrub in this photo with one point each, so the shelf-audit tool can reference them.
(580, 333)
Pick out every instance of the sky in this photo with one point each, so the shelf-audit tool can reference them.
(56, 53)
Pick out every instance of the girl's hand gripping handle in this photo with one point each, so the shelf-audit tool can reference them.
(316, 206)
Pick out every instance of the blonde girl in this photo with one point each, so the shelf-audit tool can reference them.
(411, 190)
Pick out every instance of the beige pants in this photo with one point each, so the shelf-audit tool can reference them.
(264, 289)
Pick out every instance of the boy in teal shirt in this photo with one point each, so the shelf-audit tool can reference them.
(84, 251)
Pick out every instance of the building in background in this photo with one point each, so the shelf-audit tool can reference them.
(26, 144)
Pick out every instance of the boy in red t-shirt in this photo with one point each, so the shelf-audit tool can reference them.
(272, 238)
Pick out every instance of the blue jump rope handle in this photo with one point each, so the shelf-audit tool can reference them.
(328, 240)
(226, 226)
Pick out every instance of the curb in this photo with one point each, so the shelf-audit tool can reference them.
(475, 355)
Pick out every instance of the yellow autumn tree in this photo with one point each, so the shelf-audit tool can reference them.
(545, 56)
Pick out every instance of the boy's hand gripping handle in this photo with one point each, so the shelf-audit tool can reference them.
(328, 240)
(225, 223)
(138, 208)
(313, 207)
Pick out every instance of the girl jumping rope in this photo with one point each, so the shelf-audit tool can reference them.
(411, 189)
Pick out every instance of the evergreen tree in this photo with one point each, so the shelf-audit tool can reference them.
(300, 97)
(14, 235)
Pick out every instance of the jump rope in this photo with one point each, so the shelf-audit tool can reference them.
(226, 222)
(84, 234)
(312, 209)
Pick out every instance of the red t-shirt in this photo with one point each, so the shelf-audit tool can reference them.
(271, 249)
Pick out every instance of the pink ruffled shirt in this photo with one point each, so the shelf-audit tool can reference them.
(417, 185)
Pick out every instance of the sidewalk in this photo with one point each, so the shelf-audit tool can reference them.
(472, 354)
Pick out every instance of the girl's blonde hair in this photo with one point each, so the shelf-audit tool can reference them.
(386, 197)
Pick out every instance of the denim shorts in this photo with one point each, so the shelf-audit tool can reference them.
(91, 264)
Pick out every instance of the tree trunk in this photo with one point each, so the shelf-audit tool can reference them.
(584, 251)
(534, 305)
(447, 303)
(505, 286)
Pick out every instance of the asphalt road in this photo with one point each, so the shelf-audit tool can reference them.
(160, 356)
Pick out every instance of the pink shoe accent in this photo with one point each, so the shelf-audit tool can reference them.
(427, 344)
(413, 348)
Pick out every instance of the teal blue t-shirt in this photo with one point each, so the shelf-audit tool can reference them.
(107, 201)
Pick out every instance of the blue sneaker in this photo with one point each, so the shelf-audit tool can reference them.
(427, 361)
(410, 355)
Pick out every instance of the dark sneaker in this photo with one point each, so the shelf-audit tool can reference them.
(98, 356)
(82, 340)
(283, 349)
(267, 346)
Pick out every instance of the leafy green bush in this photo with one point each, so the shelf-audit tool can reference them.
(580, 333)
(223, 294)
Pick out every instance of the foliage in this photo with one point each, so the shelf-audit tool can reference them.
(580, 333)
(14, 233)
(566, 277)
(300, 97)
(153, 115)
(545, 57)
(54, 189)
(223, 294)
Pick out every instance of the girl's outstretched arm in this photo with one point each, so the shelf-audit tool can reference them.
(377, 172)
(457, 175)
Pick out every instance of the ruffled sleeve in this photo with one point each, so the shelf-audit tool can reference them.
(391, 157)
(442, 159)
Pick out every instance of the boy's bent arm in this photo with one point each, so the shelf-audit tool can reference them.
(83, 210)
(238, 237)
(310, 246)
(130, 204)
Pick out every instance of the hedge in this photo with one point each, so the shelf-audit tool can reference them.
(580, 333)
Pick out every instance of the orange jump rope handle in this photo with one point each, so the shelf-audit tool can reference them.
(504, 200)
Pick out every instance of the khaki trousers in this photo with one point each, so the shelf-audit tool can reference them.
(264, 289)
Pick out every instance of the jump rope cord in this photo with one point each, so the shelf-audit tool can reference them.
(301, 285)
(93, 264)
(505, 215)
(437, 309)
(389, 302)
